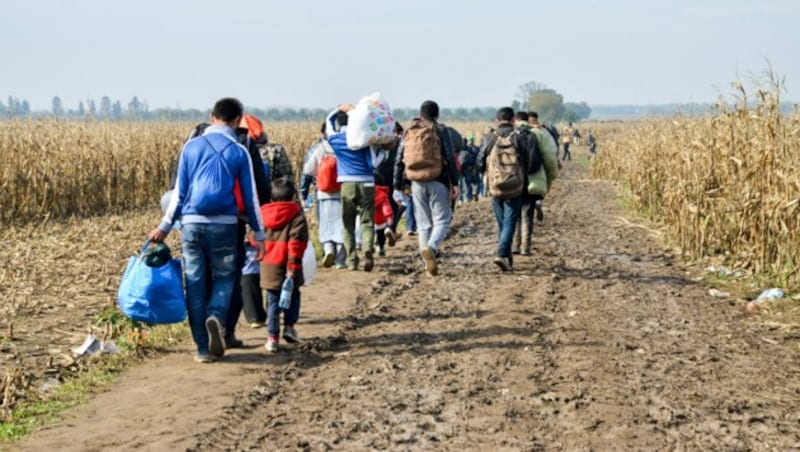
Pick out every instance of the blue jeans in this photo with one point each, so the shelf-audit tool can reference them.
(290, 316)
(209, 250)
(506, 212)
(411, 222)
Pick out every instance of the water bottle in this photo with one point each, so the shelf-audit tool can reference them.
(286, 293)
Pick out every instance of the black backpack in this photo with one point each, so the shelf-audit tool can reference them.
(468, 158)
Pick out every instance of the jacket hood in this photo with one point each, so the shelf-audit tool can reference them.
(522, 125)
(276, 215)
(504, 129)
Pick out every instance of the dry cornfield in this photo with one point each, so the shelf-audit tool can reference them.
(56, 169)
(725, 186)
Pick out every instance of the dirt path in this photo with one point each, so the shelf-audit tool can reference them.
(600, 341)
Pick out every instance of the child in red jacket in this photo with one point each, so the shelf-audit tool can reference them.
(286, 241)
(384, 216)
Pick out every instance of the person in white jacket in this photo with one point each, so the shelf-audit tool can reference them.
(329, 204)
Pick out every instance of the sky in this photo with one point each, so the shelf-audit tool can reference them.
(461, 53)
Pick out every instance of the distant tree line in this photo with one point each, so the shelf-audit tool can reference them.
(136, 109)
(531, 96)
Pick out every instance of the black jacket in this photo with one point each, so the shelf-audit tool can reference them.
(449, 176)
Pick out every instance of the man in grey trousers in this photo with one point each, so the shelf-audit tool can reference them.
(425, 157)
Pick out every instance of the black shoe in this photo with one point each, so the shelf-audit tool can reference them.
(369, 262)
(539, 211)
(232, 342)
(504, 263)
(216, 345)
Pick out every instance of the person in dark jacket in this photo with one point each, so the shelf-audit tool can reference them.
(432, 198)
(506, 202)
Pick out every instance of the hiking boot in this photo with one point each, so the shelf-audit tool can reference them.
(381, 251)
(525, 252)
(327, 260)
(539, 211)
(390, 238)
(272, 345)
(216, 345)
(232, 342)
(369, 262)
(412, 233)
(429, 256)
(504, 263)
(203, 358)
(290, 335)
(397, 236)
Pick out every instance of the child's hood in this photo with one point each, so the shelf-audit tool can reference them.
(276, 215)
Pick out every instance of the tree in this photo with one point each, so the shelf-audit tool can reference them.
(92, 107)
(81, 109)
(533, 96)
(577, 111)
(134, 108)
(105, 107)
(25, 108)
(116, 110)
(58, 106)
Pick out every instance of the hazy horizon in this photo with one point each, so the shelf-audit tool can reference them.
(316, 54)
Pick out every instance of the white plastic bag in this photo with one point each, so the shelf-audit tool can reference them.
(370, 123)
(309, 264)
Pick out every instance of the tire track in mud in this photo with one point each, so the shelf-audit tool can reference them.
(598, 341)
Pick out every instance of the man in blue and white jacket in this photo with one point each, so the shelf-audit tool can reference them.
(355, 172)
(208, 170)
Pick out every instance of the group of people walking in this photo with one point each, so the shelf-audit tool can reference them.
(243, 228)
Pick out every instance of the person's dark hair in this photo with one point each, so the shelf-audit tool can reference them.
(322, 128)
(282, 189)
(533, 114)
(341, 118)
(429, 110)
(398, 128)
(521, 116)
(227, 109)
(505, 114)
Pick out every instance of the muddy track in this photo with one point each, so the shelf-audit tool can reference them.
(599, 341)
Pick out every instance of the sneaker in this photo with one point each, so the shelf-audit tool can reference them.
(539, 211)
(341, 267)
(203, 358)
(504, 263)
(272, 345)
(216, 346)
(232, 342)
(290, 335)
(381, 251)
(256, 325)
(412, 233)
(327, 260)
(369, 262)
(390, 238)
(525, 252)
(429, 256)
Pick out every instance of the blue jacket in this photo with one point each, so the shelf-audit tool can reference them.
(187, 199)
(351, 166)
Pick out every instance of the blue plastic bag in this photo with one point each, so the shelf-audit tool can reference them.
(152, 294)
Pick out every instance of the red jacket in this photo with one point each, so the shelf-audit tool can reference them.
(286, 233)
(383, 209)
